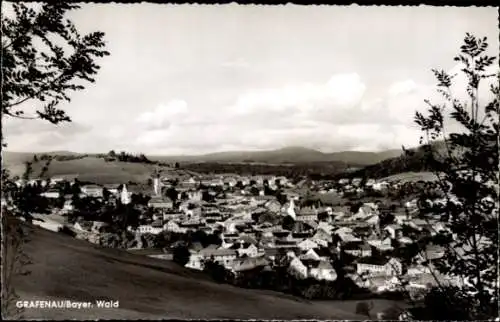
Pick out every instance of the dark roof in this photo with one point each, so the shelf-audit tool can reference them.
(323, 252)
(352, 245)
(207, 252)
(271, 251)
(310, 262)
(374, 260)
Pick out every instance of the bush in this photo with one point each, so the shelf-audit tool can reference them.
(67, 231)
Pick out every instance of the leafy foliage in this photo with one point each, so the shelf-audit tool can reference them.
(467, 172)
(44, 58)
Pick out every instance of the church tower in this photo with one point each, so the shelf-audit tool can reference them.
(124, 196)
(291, 209)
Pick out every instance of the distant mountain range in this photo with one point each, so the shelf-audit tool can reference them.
(291, 155)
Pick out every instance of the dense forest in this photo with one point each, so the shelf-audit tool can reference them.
(314, 170)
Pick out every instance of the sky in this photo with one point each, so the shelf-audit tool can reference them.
(194, 79)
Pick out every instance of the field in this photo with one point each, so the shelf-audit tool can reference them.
(90, 169)
(65, 268)
(411, 177)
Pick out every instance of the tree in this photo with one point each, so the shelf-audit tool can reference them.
(364, 308)
(181, 255)
(288, 223)
(45, 77)
(172, 193)
(465, 162)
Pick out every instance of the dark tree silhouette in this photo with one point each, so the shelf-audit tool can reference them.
(42, 76)
(467, 170)
(45, 76)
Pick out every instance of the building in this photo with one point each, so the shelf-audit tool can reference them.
(322, 270)
(124, 196)
(160, 202)
(248, 263)
(51, 194)
(358, 249)
(307, 244)
(155, 228)
(92, 191)
(379, 266)
(222, 255)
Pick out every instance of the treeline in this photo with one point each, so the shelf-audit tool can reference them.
(415, 160)
(314, 170)
(123, 156)
(49, 157)
(279, 279)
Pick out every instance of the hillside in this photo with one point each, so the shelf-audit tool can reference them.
(88, 168)
(66, 268)
(287, 155)
(413, 163)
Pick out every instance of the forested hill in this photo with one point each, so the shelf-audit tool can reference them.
(415, 161)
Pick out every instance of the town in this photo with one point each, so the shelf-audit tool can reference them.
(257, 223)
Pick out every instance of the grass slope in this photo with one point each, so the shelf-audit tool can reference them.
(88, 169)
(65, 268)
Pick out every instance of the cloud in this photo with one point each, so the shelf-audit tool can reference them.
(341, 91)
(328, 116)
(39, 135)
(402, 88)
(333, 115)
(163, 115)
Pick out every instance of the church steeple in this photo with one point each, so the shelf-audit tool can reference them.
(291, 208)
(125, 198)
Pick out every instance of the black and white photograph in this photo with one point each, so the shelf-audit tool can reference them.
(167, 161)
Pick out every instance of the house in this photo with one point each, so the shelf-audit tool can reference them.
(245, 249)
(171, 215)
(245, 264)
(359, 249)
(161, 202)
(155, 228)
(51, 194)
(405, 240)
(297, 268)
(68, 206)
(99, 226)
(393, 230)
(373, 220)
(318, 254)
(348, 237)
(288, 244)
(231, 182)
(196, 261)
(417, 269)
(322, 270)
(83, 225)
(307, 214)
(271, 253)
(221, 255)
(381, 244)
(174, 227)
(379, 266)
(196, 195)
(432, 252)
(322, 238)
(92, 190)
(307, 244)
